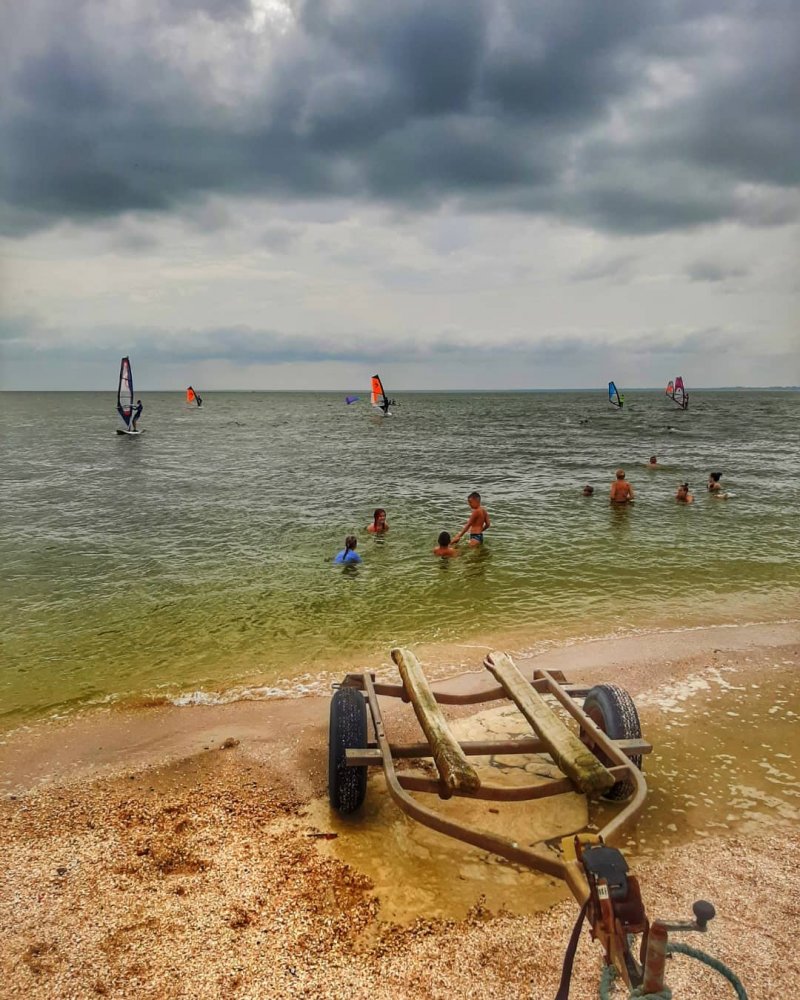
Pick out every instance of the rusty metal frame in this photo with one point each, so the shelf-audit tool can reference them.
(384, 753)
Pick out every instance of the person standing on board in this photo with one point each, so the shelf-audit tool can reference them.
(621, 489)
(348, 555)
(477, 523)
(137, 413)
(379, 525)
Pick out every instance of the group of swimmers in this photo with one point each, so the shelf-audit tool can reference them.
(477, 523)
(622, 492)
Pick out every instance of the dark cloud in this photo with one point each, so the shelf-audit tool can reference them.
(626, 116)
(714, 271)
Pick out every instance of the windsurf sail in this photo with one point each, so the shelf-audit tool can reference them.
(670, 390)
(192, 396)
(613, 395)
(125, 391)
(680, 395)
(351, 399)
(378, 396)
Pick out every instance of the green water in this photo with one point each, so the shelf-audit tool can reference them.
(198, 556)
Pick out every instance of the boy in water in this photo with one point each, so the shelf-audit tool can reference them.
(588, 491)
(478, 521)
(621, 490)
(444, 548)
(653, 463)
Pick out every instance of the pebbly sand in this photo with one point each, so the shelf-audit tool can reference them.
(176, 852)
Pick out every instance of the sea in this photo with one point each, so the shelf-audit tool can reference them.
(194, 562)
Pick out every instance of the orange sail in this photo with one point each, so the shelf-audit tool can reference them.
(377, 396)
(190, 395)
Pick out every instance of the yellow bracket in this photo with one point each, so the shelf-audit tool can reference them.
(568, 844)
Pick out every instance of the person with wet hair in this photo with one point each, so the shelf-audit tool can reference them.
(348, 556)
(379, 525)
(444, 548)
(714, 484)
(588, 491)
(683, 495)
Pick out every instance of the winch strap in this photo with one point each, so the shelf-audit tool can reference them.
(569, 955)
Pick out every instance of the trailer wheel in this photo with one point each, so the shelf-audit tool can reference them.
(612, 709)
(347, 786)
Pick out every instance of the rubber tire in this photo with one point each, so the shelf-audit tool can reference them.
(612, 709)
(347, 786)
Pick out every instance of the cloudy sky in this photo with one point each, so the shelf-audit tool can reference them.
(458, 193)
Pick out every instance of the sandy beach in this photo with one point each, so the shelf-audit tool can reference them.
(176, 852)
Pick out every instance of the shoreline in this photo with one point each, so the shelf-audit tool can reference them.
(168, 852)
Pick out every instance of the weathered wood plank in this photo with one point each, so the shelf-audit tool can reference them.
(455, 771)
(576, 761)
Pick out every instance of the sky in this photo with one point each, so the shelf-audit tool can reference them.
(489, 194)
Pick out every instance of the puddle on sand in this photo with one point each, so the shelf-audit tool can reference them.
(726, 757)
(420, 873)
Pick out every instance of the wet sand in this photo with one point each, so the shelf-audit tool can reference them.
(174, 852)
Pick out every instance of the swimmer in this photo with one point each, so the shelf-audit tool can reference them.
(477, 523)
(444, 548)
(348, 555)
(621, 489)
(714, 484)
(379, 525)
(683, 495)
(588, 491)
(653, 463)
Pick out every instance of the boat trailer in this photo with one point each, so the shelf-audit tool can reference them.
(603, 761)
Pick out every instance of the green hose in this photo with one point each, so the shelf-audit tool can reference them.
(609, 974)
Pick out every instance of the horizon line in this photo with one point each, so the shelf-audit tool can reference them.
(365, 392)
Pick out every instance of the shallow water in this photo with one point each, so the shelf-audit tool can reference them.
(198, 556)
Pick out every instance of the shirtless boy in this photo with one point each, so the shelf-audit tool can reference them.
(478, 521)
(444, 548)
(621, 489)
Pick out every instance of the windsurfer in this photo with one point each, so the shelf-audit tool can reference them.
(379, 525)
(444, 548)
(137, 413)
(477, 522)
(621, 489)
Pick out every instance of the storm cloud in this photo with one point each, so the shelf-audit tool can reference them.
(626, 117)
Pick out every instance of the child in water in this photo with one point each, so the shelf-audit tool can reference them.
(379, 525)
(714, 484)
(477, 523)
(444, 548)
(348, 555)
(588, 491)
(683, 495)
